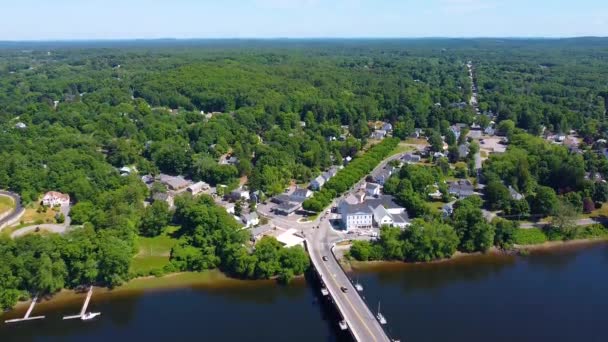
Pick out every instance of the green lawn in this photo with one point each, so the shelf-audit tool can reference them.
(401, 148)
(153, 252)
(6, 204)
(533, 236)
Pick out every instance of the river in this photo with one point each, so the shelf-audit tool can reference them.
(548, 296)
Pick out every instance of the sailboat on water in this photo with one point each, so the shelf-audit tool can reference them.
(380, 316)
(358, 286)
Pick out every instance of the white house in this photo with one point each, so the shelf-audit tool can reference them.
(53, 198)
(317, 183)
(197, 188)
(300, 194)
(357, 216)
(250, 219)
(382, 217)
(372, 189)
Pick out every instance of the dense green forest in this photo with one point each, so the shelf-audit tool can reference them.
(71, 114)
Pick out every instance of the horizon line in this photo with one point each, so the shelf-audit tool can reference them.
(67, 40)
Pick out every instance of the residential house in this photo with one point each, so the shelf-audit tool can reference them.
(387, 127)
(378, 134)
(317, 183)
(251, 219)
(54, 198)
(383, 175)
(127, 170)
(228, 160)
(375, 211)
(240, 193)
(410, 158)
(197, 188)
(514, 194)
(174, 183)
(418, 132)
(300, 195)
(287, 209)
(461, 188)
(147, 179)
(347, 160)
(332, 172)
(164, 197)
(260, 231)
(372, 189)
(447, 209)
(489, 131)
(456, 129)
(463, 151)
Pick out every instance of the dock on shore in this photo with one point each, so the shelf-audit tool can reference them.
(27, 313)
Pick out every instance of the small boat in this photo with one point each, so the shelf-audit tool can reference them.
(343, 325)
(380, 317)
(358, 286)
(89, 315)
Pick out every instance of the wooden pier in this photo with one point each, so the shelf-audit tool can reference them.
(84, 315)
(27, 314)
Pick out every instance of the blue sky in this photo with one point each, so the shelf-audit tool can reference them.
(123, 19)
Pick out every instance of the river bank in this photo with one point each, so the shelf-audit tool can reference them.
(210, 280)
(351, 265)
(216, 280)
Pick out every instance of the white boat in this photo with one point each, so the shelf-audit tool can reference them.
(358, 286)
(343, 325)
(89, 315)
(380, 316)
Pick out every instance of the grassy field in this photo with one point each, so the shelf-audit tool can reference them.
(600, 212)
(153, 253)
(531, 236)
(6, 204)
(31, 215)
(402, 148)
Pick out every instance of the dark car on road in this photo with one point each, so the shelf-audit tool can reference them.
(344, 289)
(324, 258)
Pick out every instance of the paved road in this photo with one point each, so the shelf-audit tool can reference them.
(17, 211)
(362, 323)
(54, 228)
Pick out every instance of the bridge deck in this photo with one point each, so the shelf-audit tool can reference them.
(362, 323)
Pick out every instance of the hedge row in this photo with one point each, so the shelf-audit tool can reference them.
(350, 175)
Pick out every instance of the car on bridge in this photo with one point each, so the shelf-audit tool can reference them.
(324, 258)
(344, 289)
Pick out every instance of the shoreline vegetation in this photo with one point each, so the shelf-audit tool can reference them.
(215, 279)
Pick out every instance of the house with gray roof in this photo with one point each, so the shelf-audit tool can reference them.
(375, 211)
(317, 183)
(514, 194)
(461, 188)
(410, 158)
(287, 209)
(372, 189)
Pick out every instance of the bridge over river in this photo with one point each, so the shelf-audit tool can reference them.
(362, 323)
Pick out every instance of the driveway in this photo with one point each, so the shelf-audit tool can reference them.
(53, 228)
(17, 211)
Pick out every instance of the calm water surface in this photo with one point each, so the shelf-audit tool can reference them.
(551, 296)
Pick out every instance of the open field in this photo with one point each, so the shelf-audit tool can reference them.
(6, 204)
(153, 252)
